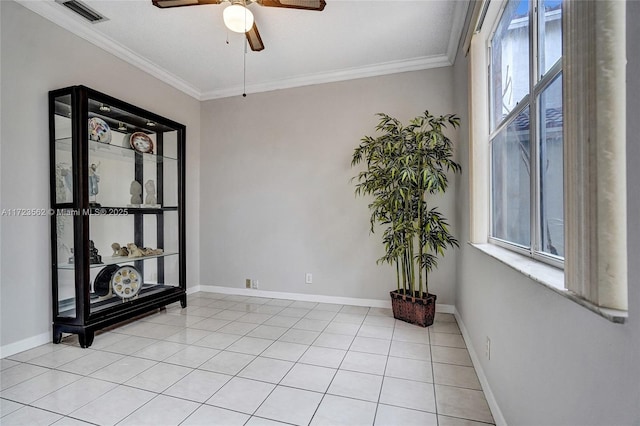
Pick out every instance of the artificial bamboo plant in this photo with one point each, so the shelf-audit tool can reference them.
(404, 165)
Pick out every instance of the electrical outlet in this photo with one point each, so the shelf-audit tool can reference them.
(247, 283)
(308, 278)
(254, 284)
(487, 350)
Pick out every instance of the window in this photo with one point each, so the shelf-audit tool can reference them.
(526, 130)
(547, 147)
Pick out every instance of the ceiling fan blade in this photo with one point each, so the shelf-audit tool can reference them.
(175, 3)
(295, 4)
(254, 39)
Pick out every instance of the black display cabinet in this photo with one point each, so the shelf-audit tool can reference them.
(117, 211)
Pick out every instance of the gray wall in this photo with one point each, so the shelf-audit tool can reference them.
(276, 195)
(38, 56)
(552, 361)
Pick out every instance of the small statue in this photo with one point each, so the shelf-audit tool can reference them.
(116, 249)
(124, 252)
(94, 178)
(150, 186)
(94, 257)
(134, 251)
(136, 192)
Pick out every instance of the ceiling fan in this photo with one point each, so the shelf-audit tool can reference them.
(240, 19)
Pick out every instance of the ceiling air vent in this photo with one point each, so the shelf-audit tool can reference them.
(83, 10)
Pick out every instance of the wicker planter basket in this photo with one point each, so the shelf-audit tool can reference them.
(413, 309)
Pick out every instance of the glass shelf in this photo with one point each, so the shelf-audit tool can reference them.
(114, 260)
(111, 151)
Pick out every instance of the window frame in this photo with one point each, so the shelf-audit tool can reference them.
(537, 85)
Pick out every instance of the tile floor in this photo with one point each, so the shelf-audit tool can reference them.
(236, 360)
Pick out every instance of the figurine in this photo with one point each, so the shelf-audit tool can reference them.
(150, 186)
(134, 251)
(124, 252)
(116, 249)
(94, 257)
(136, 192)
(93, 179)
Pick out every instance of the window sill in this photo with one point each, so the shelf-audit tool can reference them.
(548, 276)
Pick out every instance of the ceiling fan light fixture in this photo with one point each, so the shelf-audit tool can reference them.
(238, 18)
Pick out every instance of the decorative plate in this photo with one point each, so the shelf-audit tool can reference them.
(99, 130)
(142, 143)
(125, 282)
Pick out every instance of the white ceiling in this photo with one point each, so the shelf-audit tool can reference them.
(187, 46)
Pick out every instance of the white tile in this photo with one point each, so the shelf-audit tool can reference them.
(359, 310)
(304, 337)
(370, 345)
(311, 324)
(285, 350)
(337, 410)
(129, 345)
(260, 421)
(199, 385)
(326, 357)
(266, 369)
(442, 317)
(350, 318)
(30, 416)
(320, 315)
(236, 298)
(303, 305)
(217, 340)
(30, 354)
(364, 362)
(410, 350)
(455, 421)
(192, 356)
(254, 318)
(335, 341)
(280, 321)
(35, 388)
(375, 332)
(114, 406)
(279, 302)
(329, 307)
(91, 363)
(250, 345)
(309, 377)
(388, 415)
(229, 315)
(294, 312)
(463, 403)
(240, 328)
(411, 335)
(455, 375)
(214, 416)
(267, 332)
(445, 327)
(267, 309)
(380, 321)
(228, 362)
(188, 336)
(210, 324)
(444, 339)
(74, 396)
(385, 312)
(19, 373)
(7, 407)
(149, 330)
(278, 406)
(7, 363)
(160, 351)
(123, 369)
(356, 385)
(57, 358)
(411, 369)
(68, 421)
(447, 355)
(106, 339)
(337, 327)
(159, 377)
(408, 394)
(243, 395)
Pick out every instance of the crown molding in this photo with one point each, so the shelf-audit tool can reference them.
(60, 16)
(69, 21)
(386, 68)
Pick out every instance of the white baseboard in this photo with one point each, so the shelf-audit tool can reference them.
(25, 344)
(374, 303)
(488, 394)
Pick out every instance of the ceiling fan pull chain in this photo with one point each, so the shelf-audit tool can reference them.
(244, 70)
